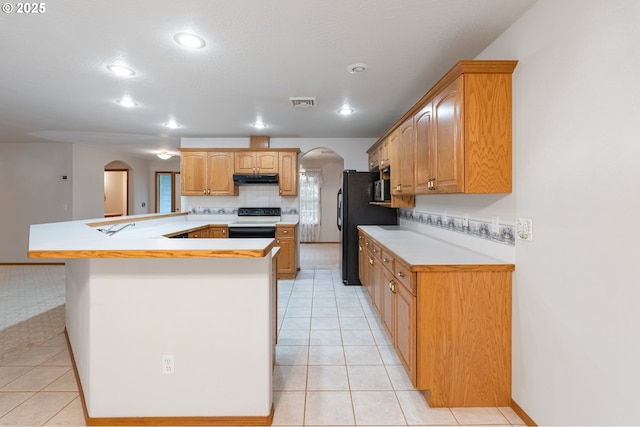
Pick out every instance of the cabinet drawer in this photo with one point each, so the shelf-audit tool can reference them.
(376, 250)
(388, 261)
(403, 274)
(285, 231)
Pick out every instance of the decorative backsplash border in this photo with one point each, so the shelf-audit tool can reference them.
(199, 210)
(476, 228)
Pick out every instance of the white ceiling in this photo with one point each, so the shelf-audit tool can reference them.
(54, 85)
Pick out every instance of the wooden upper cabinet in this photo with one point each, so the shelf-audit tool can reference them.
(207, 173)
(462, 139)
(424, 123)
(249, 162)
(220, 174)
(193, 175)
(288, 175)
(439, 149)
(403, 184)
(447, 166)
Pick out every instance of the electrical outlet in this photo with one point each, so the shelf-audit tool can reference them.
(465, 220)
(445, 217)
(524, 229)
(168, 366)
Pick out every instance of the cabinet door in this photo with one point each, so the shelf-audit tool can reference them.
(286, 261)
(245, 162)
(218, 232)
(288, 173)
(373, 160)
(286, 241)
(363, 261)
(424, 149)
(266, 162)
(448, 148)
(376, 281)
(220, 174)
(193, 173)
(388, 312)
(405, 160)
(405, 330)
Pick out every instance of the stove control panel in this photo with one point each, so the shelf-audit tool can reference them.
(259, 211)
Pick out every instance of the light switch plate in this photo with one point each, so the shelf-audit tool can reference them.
(524, 229)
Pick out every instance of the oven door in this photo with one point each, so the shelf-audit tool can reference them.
(253, 232)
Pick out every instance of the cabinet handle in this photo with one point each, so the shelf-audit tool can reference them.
(385, 260)
(285, 231)
(375, 251)
(280, 191)
(204, 191)
(399, 188)
(371, 261)
(400, 274)
(360, 248)
(392, 286)
(278, 241)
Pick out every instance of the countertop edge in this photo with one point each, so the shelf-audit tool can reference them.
(154, 253)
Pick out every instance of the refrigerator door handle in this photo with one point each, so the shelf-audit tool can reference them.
(339, 205)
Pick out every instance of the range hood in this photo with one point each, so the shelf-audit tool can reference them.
(245, 179)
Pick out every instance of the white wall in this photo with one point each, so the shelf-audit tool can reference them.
(576, 114)
(32, 191)
(88, 181)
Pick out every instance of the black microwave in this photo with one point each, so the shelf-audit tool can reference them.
(382, 190)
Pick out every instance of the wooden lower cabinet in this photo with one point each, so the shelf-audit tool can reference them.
(450, 326)
(211, 232)
(286, 241)
(464, 337)
(363, 261)
(218, 231)
(405, 318)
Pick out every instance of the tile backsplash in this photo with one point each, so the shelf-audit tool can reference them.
(248, 196)
(475, 227)
(476, 235)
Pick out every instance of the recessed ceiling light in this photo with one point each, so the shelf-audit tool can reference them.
(126, 102)
(357, 68)
(172, 124)
(259, 125)
(120, 70)
(189, 40)
(164, 155)
(345, 111)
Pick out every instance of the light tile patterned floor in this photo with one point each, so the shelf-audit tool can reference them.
(334, 365)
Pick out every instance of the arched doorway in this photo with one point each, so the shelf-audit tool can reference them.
(116, 189)
(320, 167)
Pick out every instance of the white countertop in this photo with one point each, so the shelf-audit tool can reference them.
(419, 250)
(81, 239)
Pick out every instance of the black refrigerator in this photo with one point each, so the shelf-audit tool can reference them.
(354, 208)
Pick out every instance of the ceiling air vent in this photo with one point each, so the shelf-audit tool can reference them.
(303, 101)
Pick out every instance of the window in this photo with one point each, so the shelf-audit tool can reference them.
(310, 185)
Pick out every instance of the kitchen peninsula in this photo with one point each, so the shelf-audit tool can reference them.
(166, 331)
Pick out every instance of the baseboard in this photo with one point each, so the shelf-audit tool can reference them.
(162, 421)
(523, 415)
(319, 243)
(32, 263)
